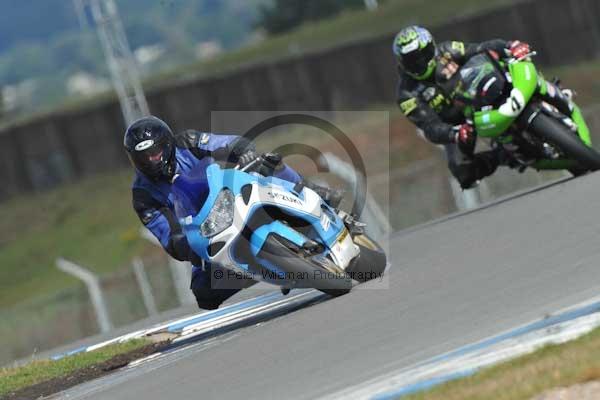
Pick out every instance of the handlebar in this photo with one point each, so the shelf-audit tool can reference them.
(264, 164)
(257, 160)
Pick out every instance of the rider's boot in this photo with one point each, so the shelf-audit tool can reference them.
(468, 170)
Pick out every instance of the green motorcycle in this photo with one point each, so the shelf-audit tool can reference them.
(503, 99)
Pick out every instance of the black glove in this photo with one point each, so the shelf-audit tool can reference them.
(239, 148)
(234, 151)
(465, 134)
(465, 138)
(180, 249)
(518, 49)
(246, 158)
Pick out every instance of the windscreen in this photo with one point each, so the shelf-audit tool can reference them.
(190, 191)
(480, 82)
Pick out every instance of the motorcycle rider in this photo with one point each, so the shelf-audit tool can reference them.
(157, 155)
(424, 67)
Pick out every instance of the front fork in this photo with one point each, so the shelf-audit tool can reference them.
(531, 112)
(552, 94)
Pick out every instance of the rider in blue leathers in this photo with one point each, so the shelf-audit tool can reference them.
(158, 155)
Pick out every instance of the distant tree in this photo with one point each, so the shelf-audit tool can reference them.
(285, 15)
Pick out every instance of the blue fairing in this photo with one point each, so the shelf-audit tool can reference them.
(260, 235)
(190, 191)
(196, 194)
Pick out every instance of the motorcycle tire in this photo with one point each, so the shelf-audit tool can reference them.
(554, 132)
(276, 252)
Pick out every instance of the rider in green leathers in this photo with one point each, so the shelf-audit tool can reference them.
(424, 67)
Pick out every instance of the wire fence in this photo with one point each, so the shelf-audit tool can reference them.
(50, 321)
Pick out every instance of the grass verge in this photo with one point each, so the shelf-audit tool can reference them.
(89, 222)
(552, 366)
(46, 376)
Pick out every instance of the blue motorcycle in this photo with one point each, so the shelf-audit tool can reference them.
(272, 230)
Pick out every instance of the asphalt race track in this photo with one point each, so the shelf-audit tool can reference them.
(451, 283)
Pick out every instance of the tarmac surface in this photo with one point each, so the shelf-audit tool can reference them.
(451, 283)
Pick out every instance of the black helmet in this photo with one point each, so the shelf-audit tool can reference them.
(150, 144)
(415, 50)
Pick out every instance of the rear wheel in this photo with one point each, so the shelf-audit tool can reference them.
(554, 132)
(304, 273)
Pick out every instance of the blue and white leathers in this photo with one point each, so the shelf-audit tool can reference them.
(224, 213)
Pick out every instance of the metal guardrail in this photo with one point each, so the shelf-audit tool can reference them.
(93, 285)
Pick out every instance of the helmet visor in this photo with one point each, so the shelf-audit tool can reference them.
(152, 161)
(417, 61)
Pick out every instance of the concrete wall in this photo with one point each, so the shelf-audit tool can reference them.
(66, 146)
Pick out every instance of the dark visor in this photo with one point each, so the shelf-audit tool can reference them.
(417, 61)
(152, 159)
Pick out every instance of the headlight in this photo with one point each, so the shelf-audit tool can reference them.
(221, 215)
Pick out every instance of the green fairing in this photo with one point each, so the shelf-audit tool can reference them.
(543, 86)
(493, 123)
(528, 81)
(554, 164)
(582, 128)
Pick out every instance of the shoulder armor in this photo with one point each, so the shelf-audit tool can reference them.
(191, 139)
(451, 50)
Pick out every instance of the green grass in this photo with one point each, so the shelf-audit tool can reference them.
(524, 377)
(13, 379)
(91, 223)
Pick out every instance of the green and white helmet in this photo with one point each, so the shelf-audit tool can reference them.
(415, 50)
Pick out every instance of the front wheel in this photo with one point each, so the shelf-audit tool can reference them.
(298, 271)
(555, 133)
(371, 261)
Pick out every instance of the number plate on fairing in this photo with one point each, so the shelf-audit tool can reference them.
(344, 249)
